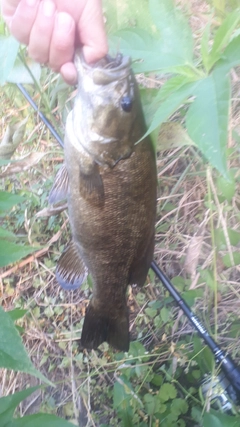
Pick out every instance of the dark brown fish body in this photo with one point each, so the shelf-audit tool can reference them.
(112, 206)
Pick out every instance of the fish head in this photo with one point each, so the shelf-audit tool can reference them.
(106, 108)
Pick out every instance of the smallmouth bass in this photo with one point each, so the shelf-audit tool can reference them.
(110, 184)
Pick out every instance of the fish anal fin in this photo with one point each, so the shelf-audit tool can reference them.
(71, 270)
(140, 267)
(99, 327)
(59, 189)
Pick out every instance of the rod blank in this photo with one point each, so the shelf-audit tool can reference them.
(228, 366)
(41, 115)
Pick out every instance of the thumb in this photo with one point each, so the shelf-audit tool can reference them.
(91, 32)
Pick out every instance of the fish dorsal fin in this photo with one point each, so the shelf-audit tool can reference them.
(71, 270)
(59, 189)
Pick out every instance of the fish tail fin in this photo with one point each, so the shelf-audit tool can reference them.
(99, 327)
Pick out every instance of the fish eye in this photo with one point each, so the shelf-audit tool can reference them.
(126, 103)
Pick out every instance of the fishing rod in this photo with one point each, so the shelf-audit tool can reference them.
(41, 115)
(223, 360)
(230, 381)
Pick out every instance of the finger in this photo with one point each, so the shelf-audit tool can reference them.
(69, 73)
(63, 41)
(23, 19)
(9, 8)
(41, 34)
(91, 31)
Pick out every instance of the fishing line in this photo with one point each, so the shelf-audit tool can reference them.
(230, 380)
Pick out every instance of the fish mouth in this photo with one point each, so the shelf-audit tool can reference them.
(106, 70)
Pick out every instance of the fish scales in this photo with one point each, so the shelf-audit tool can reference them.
(112, 205)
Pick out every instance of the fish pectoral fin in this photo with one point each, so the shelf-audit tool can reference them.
(71, 270)
(91, 185)
(59, 189)
(99, 327)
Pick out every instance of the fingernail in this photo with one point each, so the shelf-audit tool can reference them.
(48, 8)
(64, 22)
(70, 77)
(32, 2)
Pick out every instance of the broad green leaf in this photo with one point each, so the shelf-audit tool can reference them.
(123, 14)
(126, 416)
(155, 304)
(171, 104)
(122, 393)
(5, 234)
(148, 97)
(181, 283)
(171, 86)
(179, 406)
(166, 392)
(234, 330)
(16, 314)
(11, 252)
(8, 200)
(141, 45)
(20, 74)
(191, 294)
(226, 188)
(165, 314)
(150, 312)
(12, 352)
(205, 46)
(157, 380)
(227, 259)
(40, 420)
(236, 33)
(217, 419)
(149, 108)
(163, 409)
(152, 51)
(223, 35)
(151, 99)
(175, 33)
(208, 277)
(202, 355)
(190, 72)
(8, 54)
(9, 403)
(151, 403)
(230, 57)
(207, 119)
(233, 236)
(137, 349)
(196, 414)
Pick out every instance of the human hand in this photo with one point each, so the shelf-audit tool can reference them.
(53, 29)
